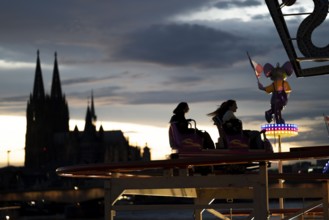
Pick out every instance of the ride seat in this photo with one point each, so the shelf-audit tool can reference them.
(184, 142)
(229, 141)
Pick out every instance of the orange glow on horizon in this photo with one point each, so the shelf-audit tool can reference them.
(13, 129)
(12, 140)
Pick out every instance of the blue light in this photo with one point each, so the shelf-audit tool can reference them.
(284, 130)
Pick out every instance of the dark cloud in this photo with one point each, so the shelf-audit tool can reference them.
(13, 105)
(184, 80)
(91, 79)
(75, 23)
(13, 99)
(110, 91)
(64, 27)
(166, 97)
(126, 12)
(315, 134)
(237, 4)
(260, 17)
(185, 44)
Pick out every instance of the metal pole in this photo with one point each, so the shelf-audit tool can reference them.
(281, 205)
(8, 152)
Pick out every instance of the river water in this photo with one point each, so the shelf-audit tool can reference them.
(167, 214)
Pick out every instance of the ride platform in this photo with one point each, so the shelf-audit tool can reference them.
(177, 178)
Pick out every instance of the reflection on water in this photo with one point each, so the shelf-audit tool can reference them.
(158, 215)
(167, 214)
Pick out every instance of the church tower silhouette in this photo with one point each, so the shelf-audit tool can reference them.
(49, 143)
(45, 115)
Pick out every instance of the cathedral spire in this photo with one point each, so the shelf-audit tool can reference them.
(92, 108)
(56, 90)
(90, 120)
(38, 89)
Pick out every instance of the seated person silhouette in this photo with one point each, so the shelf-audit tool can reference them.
(182, 125)
(231, 129)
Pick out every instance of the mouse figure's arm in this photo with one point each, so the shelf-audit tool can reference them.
(260, 86)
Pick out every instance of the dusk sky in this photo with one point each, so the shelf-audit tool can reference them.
(141, 58)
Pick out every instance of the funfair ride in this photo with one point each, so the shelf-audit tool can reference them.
(176, 177)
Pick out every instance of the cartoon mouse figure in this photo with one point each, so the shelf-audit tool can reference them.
(279, 88)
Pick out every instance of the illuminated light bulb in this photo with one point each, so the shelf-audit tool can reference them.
(285, 130)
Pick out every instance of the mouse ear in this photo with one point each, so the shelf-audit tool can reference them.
(268, 69)
(287, 66)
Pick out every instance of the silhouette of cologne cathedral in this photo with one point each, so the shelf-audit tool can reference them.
(50, 143)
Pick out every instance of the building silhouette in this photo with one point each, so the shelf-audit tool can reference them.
(50, 143)
(45, 116)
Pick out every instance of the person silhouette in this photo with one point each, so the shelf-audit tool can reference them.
(225, 116)
(183, 125)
